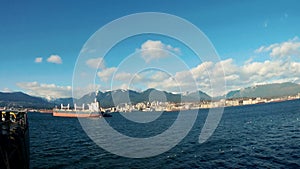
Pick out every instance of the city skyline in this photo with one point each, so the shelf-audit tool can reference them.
(257, 43)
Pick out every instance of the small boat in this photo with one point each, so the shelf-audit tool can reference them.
(106, 114)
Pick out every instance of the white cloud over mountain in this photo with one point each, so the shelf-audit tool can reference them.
(278, 68)
(269, 71)
(46, 90)
(106, 74)
(6, 89)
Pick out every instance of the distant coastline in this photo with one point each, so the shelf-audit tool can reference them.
(129, 100)
(171, 107)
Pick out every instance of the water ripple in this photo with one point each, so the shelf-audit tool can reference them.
(257, 136)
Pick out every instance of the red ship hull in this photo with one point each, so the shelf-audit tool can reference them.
(75, 114)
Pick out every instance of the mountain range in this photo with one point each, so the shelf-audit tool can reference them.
(111, 98)
(19, 99)
(266, 91)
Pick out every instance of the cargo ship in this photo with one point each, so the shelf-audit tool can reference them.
(94, 110)
(14, 139)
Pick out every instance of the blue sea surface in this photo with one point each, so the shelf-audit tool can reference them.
(254, 136)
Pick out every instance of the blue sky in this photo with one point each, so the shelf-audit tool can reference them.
(237, 29)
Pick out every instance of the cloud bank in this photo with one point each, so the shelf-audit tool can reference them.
(290, 48)
(277, 69)
(281, 66)
(48, 91)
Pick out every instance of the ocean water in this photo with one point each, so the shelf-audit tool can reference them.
(255, 136)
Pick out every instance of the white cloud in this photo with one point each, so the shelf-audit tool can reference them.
(106, 74)
(260, 49)
(6, 90)
(150, 76)
(78, 92)
(159, 76)
(236, 76)
(46, 90)
(87, 50)
(123, 76)
(284, 49)
(96, 63)
(55, 59)
(124, 86)
(151, 50)
(269, 71)
(38, 60)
